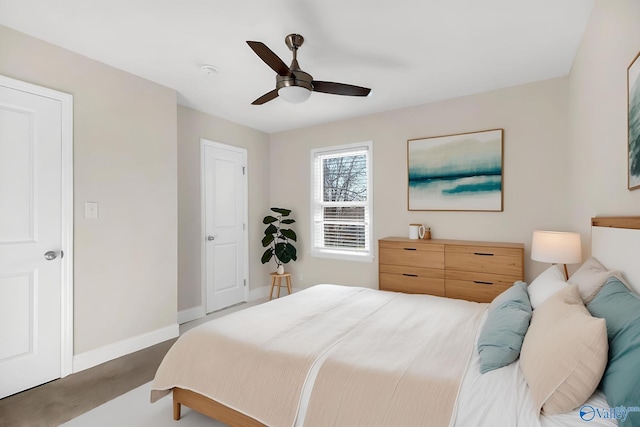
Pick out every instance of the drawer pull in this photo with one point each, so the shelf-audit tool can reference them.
(410, 275)
(410, 249)
(479, 282)
(482, 254)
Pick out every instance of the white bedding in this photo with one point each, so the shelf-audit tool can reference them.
(497, 398)
(404, 367)
(501, 398)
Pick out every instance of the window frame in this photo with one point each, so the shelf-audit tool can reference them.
(366, 255)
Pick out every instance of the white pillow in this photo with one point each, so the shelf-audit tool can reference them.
(546, 284)
(590, 277)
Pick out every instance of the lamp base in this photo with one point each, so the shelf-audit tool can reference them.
(566, 273)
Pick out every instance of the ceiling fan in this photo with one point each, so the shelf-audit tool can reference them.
(293, 84)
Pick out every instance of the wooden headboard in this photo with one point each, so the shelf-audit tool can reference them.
(631, 222)
(615, 242)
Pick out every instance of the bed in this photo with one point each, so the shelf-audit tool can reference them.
(336, 355)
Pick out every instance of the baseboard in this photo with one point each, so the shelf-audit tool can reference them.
(190, 314)
(198, 312)
(92, 358)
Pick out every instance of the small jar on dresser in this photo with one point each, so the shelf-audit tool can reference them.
(470, 270)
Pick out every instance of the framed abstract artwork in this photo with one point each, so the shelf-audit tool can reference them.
(633, 153)
(462, 172)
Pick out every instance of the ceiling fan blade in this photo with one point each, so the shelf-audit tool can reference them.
(340, 88)
(270, 58)
(266, 97)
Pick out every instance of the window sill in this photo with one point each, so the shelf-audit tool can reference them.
(343, 256)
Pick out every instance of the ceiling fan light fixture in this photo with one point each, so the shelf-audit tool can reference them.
(294, 94)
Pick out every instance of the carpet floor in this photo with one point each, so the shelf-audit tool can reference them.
(133, 409)
(59, 401)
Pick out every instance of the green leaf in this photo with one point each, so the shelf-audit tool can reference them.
(266, 240)
(282, 253)
(281, 211)
(289, 234)
(266, 256)
(269, 219)
(271, 229)
(288, 221)
(292, 252)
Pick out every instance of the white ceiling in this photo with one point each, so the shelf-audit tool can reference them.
(409, 52)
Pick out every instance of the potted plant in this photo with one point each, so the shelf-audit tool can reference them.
(277, 239)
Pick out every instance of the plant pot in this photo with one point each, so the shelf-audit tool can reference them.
(280, 269)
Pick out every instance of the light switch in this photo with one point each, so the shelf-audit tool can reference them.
(91, 210)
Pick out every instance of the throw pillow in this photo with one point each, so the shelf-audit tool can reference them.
(564, 353)
(546, 284)
(621, 381)
(504, 329)
(590, 277)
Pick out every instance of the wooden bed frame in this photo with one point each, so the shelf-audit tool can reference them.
(210, 408)
(224, 414)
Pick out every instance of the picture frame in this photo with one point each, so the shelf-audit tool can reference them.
(459, 172)
(633, 124)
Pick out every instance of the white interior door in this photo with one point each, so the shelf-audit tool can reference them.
(225, 238)
(31, 238)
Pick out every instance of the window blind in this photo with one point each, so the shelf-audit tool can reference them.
(341, 200)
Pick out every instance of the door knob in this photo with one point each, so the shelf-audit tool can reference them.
(210, 238)
(50, 255)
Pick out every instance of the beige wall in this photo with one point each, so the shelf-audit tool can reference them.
(125, 157)
(534, 119)
(193, 125)
(598, 119)
(565, 161)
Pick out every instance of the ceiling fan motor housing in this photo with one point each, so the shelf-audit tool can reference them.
(298, 78)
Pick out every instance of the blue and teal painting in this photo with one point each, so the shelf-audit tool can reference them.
(457, 172)
(634, 124)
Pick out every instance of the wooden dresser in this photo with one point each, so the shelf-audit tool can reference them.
(475, 271)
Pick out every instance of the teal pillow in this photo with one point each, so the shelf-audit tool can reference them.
(503, 331)
(621, 381)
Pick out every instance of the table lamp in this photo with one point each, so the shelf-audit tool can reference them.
(556, 247)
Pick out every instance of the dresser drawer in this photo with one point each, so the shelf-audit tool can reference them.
(474, 286)
(410, 271)
(498, 260)
(416, 255)
(411, 284)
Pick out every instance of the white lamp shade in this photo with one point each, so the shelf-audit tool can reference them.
(556, 247)
(294, 94)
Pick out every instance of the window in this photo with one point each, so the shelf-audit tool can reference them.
(342, 201)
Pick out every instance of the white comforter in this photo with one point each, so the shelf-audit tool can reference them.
(501, 398)
(361, 357)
